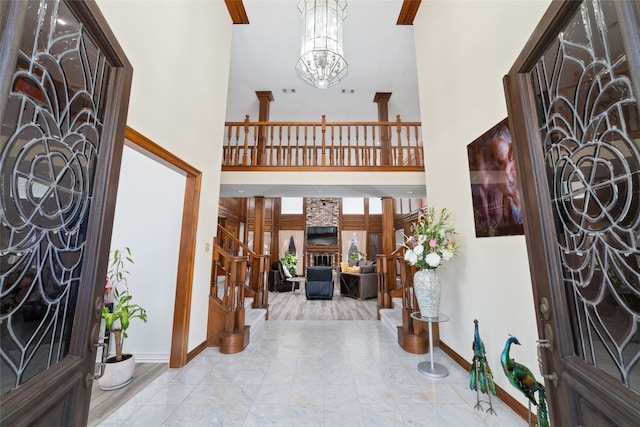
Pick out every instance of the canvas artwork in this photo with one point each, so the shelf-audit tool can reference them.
(494, 184)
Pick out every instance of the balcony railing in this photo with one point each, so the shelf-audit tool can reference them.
(316, 145)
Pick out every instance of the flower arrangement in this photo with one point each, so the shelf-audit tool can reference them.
(433, 240)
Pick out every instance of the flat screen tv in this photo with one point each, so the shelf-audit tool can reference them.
(322, 236)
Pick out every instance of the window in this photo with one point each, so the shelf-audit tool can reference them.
(353, 205)
(375, 206)
(291, 205)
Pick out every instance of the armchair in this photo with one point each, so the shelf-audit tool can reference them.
(277, 279)
(319, 283)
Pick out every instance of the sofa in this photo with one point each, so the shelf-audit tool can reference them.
(319, 282)
(359, 280)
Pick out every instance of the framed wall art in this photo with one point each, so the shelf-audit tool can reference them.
(494, 184)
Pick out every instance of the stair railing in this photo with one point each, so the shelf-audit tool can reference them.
(257, 265)
(226, 328)
(394, 145)
(388, 286)
(395, 279)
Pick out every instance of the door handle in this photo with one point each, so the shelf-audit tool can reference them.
(546, 344)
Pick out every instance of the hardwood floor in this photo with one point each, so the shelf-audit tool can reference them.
(294, 306)
(104, 403)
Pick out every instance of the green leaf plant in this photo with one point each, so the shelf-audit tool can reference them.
(117, 319)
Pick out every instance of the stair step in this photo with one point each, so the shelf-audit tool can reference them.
(391, 318)
(255, 318)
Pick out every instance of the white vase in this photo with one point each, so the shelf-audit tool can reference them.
(426, 286)
(117, 374)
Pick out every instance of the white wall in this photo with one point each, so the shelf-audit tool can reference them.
(180, 53)
(464, 48)
(148, 219)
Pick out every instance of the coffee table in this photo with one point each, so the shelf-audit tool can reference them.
(294, 280)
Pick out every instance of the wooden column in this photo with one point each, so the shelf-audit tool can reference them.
(382, 99)
(388, 246)
(258, 242)
(264, 97)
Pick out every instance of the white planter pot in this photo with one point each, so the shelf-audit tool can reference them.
(118, 374)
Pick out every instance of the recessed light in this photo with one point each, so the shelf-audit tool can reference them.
(241, 191)
(409, 192)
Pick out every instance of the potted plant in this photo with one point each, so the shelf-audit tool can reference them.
(290, 262)
(119, 368)
(357, 256)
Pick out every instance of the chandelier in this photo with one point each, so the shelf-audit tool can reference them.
(321, 63)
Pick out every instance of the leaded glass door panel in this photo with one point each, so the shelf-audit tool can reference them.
(64, 86)
(573, 105)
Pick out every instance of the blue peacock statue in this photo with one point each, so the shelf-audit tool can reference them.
(480, 376)
(521, 378)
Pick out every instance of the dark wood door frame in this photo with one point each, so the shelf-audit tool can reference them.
(186, 258)
(572, 385)
(60, 394)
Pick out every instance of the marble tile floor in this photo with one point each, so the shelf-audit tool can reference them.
(312, 373)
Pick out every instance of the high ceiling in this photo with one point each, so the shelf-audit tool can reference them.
(380, 54)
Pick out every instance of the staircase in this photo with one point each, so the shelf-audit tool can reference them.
(391, 318)
(412, 336)
(254, 318)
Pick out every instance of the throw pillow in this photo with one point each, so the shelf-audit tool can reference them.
(287, 274)
(344, 266)
(367, 269)
(354, 269)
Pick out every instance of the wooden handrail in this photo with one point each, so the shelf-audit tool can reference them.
(285, 145)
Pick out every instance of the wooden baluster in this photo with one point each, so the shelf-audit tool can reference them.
(307, 157)
(324, 145)
(270, 145)
(358, 152)
(331, 146)
(262, 129)
(347, 156)
(418, 149)
(246, 140)
(400, 148)
(227, 149)
(343, 147)
(291, 148)
(277, 148)
(254, 147)
(314, 153)
(374, 150)
(304, 155)
(365, 148)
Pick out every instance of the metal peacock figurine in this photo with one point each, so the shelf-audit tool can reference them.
(521, 378)
(481, 378)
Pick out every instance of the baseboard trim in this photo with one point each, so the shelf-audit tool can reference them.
(509, 400)
(196, 351)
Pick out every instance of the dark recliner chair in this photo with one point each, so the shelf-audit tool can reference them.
(277, 280)
(319, 282)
